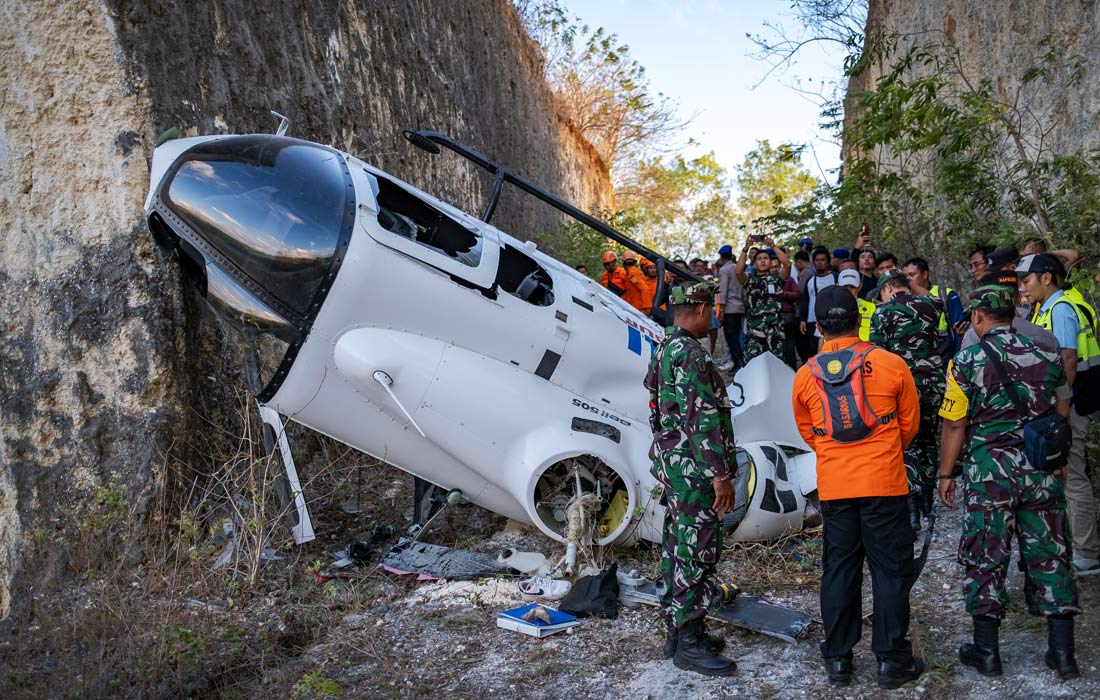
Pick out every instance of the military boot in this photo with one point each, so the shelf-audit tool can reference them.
(984, 655)
(716, 643)
(671, 633)
(693, 653)
(1060, 656)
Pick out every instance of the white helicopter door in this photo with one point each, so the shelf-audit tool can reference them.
(412, 222)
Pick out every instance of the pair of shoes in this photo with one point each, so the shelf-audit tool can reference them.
(839, 672)
(984, 655)
(694, 653)
(713, 641)
(892, 675)
(1083, 566)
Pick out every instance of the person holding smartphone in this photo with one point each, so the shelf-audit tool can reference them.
(763, 296)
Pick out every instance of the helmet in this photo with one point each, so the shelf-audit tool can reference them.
(609, 256)
(629, 255)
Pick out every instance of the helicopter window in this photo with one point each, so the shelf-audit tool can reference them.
(403, 213)
(519, 275)
(273, 206)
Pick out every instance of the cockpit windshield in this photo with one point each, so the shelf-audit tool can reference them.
(273, 206)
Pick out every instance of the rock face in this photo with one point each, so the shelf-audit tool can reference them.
(102, 356)
(1000, 41)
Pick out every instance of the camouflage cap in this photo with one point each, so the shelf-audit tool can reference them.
(893, 275)
(992, 297)
(696, 293)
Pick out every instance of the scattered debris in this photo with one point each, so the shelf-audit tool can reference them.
(544, 588)
(534, 563)
(594, 595)
(747, 612)
(410, 556)
(536, 620)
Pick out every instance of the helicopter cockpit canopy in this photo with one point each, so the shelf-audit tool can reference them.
(262, 222)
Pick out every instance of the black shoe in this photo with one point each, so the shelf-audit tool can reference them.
(716, 643)
(693, 653)
(984, 661)
(892, 675)
(984, 655)
(671, 634)
(1060, 657)
(839, 672)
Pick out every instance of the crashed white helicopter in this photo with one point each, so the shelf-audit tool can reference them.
(398, 324)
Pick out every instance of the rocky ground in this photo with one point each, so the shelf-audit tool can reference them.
(140, 632)
(163, 622)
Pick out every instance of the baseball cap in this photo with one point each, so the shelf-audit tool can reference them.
(894, 275)
(849, 278)
(725, 250)
(992, 297)
(805, 240)
(841, 253)
(771, 252)
(1039, 263)
(1003, 256)
(1005, 278)
(835, 302)
(697, 293)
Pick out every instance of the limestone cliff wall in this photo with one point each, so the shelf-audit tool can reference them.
(1000, 40)
(102, 359)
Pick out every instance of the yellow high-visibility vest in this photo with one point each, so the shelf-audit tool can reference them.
(866, 311)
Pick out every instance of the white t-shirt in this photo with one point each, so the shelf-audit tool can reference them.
(814, 285)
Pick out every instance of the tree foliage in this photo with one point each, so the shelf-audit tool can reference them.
(940, 159)
(772, 179)
(600, 87)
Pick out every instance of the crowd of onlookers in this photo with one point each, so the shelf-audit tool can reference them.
(787, 327)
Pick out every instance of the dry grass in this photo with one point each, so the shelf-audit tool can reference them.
(790, 563)
(149, 617)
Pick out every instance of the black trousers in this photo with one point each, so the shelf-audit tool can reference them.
(807, 342)
(790, 342)
(875, 528)
(731, 328)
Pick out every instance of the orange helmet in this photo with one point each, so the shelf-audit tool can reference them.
(629, 255)
(646, 262)
(609, 256)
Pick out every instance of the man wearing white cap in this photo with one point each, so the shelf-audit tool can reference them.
(845, 278)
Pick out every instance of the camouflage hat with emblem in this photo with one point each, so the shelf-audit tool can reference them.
(992, 297)
(697, 293)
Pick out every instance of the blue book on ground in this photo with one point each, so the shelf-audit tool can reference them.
(513, 620)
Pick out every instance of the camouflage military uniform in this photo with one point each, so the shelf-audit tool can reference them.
(692, 443)
(1004, 494)
(908, 326)
(763, 315)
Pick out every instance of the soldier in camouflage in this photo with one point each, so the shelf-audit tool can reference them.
(907, 324)
(763, 295)
(1004, 493)
(694, 461)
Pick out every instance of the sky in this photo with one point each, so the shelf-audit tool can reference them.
(695, 52)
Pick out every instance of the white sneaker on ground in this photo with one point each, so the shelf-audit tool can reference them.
(544, 588)
(1083, 566)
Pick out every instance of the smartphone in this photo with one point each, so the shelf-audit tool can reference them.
(756, 238)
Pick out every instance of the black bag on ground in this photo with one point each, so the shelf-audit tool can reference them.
(594, 595)
(1047, 439)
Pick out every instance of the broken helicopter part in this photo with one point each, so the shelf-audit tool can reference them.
(398, 324)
